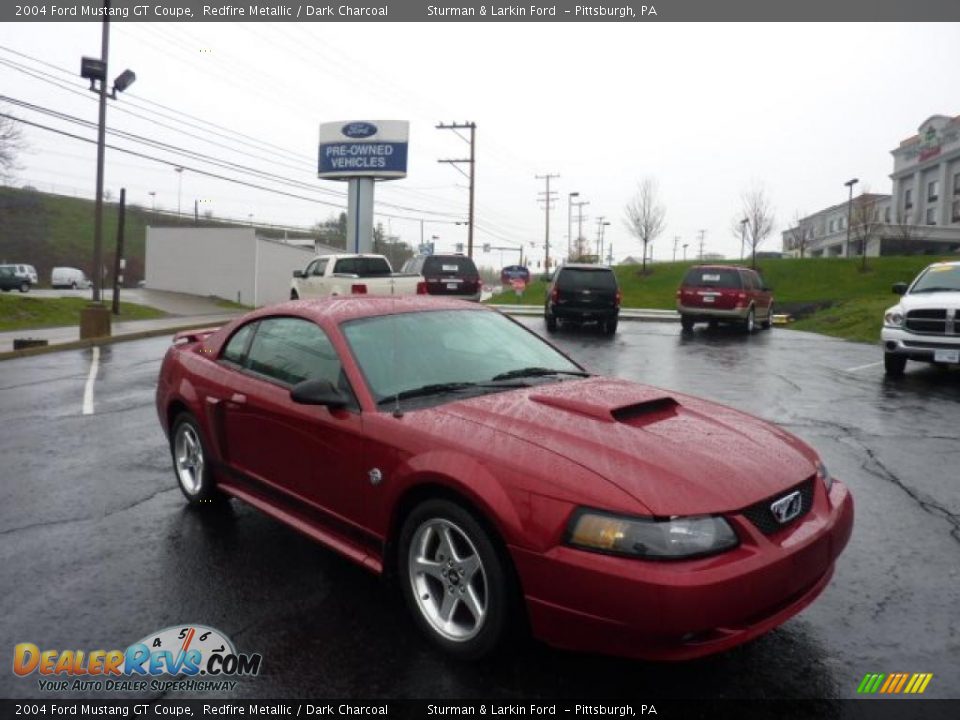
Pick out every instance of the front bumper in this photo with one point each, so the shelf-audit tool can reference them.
(897, 341)
(681, 610)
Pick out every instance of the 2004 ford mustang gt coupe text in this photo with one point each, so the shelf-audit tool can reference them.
(449, 447)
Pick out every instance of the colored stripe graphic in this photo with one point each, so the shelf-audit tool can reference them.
(894, 683)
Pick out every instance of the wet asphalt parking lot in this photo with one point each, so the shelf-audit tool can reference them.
(98, 549)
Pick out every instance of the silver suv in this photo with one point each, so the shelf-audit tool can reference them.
(925, 324)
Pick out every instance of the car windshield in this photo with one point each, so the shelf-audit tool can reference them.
(586, 279)
(938, 278)
(448, 350)
(713, 277)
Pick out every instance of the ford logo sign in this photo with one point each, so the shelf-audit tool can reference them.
(359, 130)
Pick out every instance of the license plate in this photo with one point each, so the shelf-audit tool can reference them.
(708, 298)
(451, 286)
(946, 356)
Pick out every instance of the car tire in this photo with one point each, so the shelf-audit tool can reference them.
(24, 287)
(768, 320)
(894, 365)
(610, 327)
(294, 295)
(551, 320)
(686, 323)
(750, 324)
(73, 285)
(445, 552)
(191, 462)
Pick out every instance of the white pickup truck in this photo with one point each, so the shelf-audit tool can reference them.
(348, 274)
(925, 324)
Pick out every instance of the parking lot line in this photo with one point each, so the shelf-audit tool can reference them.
(91, 378)
(864, 367)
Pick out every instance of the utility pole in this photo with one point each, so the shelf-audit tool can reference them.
(580, 219)
(119, 263)
(676, 239)
(472, 161)
(702, 233)
(547, 199)
(599, 237)
(685, 251)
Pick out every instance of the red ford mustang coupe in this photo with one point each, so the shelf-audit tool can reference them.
(447, 446)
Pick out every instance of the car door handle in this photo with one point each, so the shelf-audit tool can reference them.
(238, 399)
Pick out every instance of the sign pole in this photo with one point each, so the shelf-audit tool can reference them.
(360, 215)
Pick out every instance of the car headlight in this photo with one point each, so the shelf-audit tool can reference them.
(893, 317)
(670, 539)
(824, 475)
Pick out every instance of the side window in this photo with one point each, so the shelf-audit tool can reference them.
(345, 265)
(237, 345)
(311, 268)
(750, 281)
(291, 350)
(321, 267)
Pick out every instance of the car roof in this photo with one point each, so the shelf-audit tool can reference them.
(721, 267)
(352, 307)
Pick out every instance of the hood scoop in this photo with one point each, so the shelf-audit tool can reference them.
(645, 410)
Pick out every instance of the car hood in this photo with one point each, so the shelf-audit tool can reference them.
(675, 454)
(931, 300)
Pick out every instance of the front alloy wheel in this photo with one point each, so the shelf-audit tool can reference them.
(750, 324)
(453, 579)
(190, 461)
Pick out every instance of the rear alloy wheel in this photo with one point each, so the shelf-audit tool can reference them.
(24, 287)
(686, 323)
(453, 579)
(894, 365)
(750, 324)
(190, 461)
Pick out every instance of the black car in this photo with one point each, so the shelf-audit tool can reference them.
(581, 294)
(448, 275)
(9, 280)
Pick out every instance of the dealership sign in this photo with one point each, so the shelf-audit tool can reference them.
(363, 148)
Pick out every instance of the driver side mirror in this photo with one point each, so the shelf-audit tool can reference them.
(317, 392)
(899, 288)
(298, 273)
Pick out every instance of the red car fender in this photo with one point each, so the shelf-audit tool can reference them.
(460, 474)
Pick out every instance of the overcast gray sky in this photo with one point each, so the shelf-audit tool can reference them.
(707, 110)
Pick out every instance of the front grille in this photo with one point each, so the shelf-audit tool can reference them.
(927, 322)
(762, 516)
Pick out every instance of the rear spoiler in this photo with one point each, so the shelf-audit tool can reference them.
(191, 336)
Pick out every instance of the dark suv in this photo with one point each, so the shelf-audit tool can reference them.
(447, 275)
(583, 293)
(724, 293)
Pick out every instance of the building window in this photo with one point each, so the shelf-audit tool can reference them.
(831, 225)
(931, 216)
(956, 211)
(886, 215)
(956, 184)
(933, 191)
(908, 199)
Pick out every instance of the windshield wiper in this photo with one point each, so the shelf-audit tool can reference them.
(934, 289)
(424, 390)
(536, 371)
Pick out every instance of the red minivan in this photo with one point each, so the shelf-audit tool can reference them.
(724, 293)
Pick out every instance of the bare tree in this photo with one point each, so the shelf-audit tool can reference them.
(11, 143)
(864, 223)
(905, 232)
(798, 236)
(645, 215)
(758, 213)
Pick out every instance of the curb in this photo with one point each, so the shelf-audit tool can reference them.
(107, 340)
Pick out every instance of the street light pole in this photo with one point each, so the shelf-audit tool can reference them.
(101, 146)
(179, 172)
(570, 198)
(849, 183)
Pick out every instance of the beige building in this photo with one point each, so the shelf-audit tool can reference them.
(921, 215)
